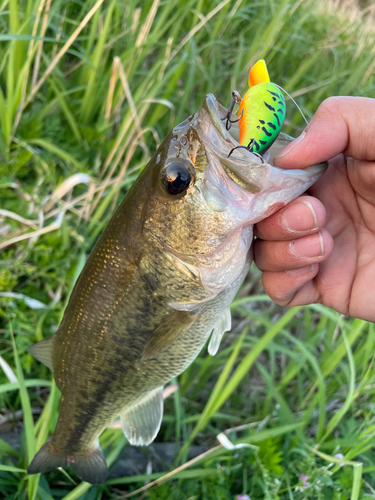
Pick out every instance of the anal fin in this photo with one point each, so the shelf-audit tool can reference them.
(141, 422)
(223, 325)
(42, 351)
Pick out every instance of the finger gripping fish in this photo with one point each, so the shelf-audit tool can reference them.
(157, 285)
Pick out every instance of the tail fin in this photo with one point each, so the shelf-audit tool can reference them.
(90, 466)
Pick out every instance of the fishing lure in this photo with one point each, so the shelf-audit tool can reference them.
(261, 112)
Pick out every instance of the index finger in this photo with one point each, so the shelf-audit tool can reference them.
(301, 217)
(340, 125)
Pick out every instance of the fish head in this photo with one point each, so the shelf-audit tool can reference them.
(204, 202)
(202, 195)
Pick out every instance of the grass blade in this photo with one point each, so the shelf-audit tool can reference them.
(27, 419)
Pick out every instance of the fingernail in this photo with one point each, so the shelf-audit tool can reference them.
(308, 246)
(299, 217)
(291, 146)
(301, 271)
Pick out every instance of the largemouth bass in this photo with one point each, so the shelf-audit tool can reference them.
(157, 285)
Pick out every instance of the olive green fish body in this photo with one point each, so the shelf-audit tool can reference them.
(159, 281)
(98, 380)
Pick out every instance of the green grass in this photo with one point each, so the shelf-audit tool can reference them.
(87, 91)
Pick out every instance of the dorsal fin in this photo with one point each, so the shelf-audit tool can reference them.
(258, 73)
(42, 351)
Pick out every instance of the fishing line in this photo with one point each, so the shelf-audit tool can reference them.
(290, 97)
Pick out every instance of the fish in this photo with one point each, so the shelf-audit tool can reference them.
(158, 285)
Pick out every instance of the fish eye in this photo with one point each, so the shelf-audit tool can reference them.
(177, 178)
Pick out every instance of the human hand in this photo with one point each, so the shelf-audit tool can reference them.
(304, 262)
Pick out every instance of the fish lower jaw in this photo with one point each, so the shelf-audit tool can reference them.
(216, 270)
(224, 271)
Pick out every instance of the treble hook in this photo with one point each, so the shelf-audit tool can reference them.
(250, 148)
(236, 100)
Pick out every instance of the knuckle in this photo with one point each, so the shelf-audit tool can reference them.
(281, 299)
(267, 255)
(263, 229)
(328, 106)
(259, 232)
(274, 290)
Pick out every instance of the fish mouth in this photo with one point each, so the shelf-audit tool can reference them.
(217, 112)
(243, 167)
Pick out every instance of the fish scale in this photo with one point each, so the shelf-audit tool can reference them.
(106, 403)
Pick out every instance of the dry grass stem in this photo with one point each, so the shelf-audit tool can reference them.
(128, 158)
(58, 34)
(22, 220)
(9, 373)
(308, 89)
(52, 227)
(119, 154)
(75, 201)
(64, 49)
(40, 45)
(199, 26)
(166, 477)
(138, 117)
(147, 24)
(116, 145)
(5, 3)
(128, 95)
(135, 117)
(111, 89)
(73, 68)
(168, 50)
(26, 77)
(65, 187)
(135, 20)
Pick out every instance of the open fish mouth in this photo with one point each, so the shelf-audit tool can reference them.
(217, 113)
(229, 139)
(243, 167)
(264, 187)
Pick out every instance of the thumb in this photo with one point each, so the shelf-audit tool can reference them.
(340, 125)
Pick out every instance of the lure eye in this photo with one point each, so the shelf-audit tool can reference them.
(177, 178)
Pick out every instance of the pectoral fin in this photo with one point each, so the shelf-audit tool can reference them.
(141, 422)
(42, 351)
(223, 325)
(173, 325)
